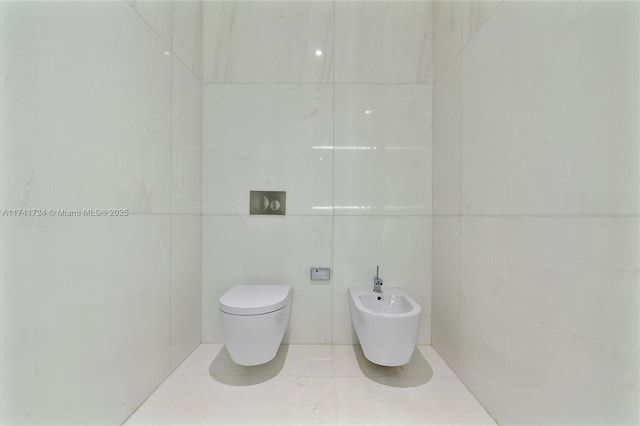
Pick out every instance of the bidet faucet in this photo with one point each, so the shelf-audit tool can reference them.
(377, 281)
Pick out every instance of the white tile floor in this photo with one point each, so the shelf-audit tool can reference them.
(310, 384)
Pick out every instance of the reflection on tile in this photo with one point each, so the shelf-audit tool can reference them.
(293, 390)
(440, 401)
(186, 140)
(383, 150)
(310, 360)
(383, 42)
(260, 42)
(199, 399)
(263, 137)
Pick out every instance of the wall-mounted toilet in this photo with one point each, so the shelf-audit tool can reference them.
(254, 319)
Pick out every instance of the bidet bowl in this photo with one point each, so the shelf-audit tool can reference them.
(386, 324)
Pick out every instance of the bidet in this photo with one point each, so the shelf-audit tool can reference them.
(386, 324)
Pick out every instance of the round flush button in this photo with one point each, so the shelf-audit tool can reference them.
(261, 203)
(275, 205)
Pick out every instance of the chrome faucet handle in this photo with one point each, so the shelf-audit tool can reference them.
(377, 281)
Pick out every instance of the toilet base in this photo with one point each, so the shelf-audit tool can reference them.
(254, 339)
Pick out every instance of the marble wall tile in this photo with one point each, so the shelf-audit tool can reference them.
(275, 42)
(546, 134)
(548, 296)
(187, 34)
(383, 42)
(446, 141)
(77, 293)
(544, 301)
(186, 140)
(455, 24)
(158, 14)
(473, 15)
(186, 286)
(100, 131)
(383, 150)
(367, 146)
(445, 308)
(267, 137)
(86, 123)
(447, 17)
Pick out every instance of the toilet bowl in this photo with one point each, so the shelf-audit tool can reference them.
(254, 319)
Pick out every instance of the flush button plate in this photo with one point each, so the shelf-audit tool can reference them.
(267, 202)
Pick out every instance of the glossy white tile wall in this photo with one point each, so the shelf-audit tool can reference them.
(186, 181)
(268, 41)
(446, 141)
(187, 34)
(551, 307)
(536, 234)
(267, 137)
(84, 317)
(565, 108)
(445, 297)
(353, 152)
(455, 23)
(186, 143)
(186, 237)
(382, 158)
(158, 14)
(383, 42)
(82, 79)
(96, 113)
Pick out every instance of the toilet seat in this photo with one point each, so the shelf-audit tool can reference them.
(254, 299)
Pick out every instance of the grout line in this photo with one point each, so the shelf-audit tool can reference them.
(302, 83)
(169, 44)
(544, 216)
(171, 187)
(333, 179)
(132, 6)
(458, 83)
(422, 216)
(462, 46)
